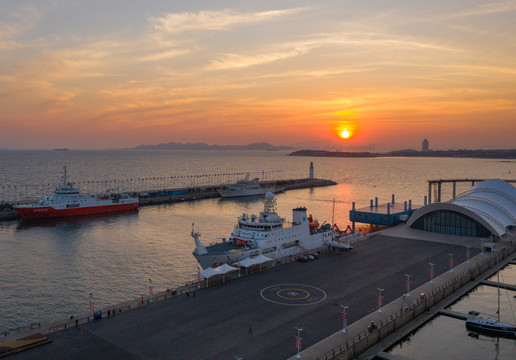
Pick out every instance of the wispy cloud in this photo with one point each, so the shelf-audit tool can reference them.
(216, 20)
(488, 8)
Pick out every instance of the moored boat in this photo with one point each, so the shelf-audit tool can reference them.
(266, 234)
(247, 187)
(68, 201)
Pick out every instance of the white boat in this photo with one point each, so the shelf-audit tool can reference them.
(266, 234)
(488, 325)
(246, 187)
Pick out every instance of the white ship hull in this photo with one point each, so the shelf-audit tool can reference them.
(264, 235)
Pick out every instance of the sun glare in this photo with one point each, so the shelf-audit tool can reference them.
(345, 134)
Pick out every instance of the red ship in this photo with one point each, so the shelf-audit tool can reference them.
(68, 201)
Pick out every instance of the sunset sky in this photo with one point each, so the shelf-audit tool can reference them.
(120, 73)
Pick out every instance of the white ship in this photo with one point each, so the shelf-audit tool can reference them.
(246, 187)
(264, 234)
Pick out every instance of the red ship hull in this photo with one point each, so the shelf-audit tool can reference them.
(50, 212)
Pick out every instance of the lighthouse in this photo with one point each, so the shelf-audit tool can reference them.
(311, 177)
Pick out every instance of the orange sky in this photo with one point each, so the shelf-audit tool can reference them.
(119, 74)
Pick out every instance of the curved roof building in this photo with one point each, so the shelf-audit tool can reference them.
(487, 208)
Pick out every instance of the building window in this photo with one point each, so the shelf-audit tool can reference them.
(452, 223)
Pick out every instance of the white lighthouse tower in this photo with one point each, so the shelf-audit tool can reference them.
(311, 171)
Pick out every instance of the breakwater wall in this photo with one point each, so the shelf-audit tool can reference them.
(172, 195)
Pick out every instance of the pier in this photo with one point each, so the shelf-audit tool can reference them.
(212, 322)
(171, 195)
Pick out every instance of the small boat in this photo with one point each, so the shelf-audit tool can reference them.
(487, 325)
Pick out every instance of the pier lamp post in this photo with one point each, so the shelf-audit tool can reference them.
(431, 272)
(344, 318)
(298, 341)
(380, 297)
(467, 253)
(408, 284)
(150, 290)
(199, 277)
(92, 308)
(482, 247)
(451, 262)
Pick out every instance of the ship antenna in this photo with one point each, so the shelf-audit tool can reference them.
(64, 176)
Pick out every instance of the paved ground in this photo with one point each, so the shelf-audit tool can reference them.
(214, 324)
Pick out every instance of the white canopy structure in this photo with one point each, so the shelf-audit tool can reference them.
(225, 268)
(246, 263)
(260, 259)
(208, 273)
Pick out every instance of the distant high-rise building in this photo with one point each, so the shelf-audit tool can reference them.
(425, 146)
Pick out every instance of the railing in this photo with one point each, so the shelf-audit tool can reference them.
(368, 337)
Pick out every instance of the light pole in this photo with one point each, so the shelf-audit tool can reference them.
(451, 262)
(150, 290)
(379, 299)
(408, 284)
(482, 247)
(431, 272)
(298, 341)
(198, 278)
(467, 253)
(344, 317)
(92, 308)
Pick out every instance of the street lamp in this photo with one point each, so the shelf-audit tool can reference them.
(408, 284)
(92, 308)
(451, 262)
(431, 272)
(150, 290)
(467, 253)
(344, 318)
(344, 315)
(298, 341)
(379, 299)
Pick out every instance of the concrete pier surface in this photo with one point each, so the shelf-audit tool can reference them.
(214, 322)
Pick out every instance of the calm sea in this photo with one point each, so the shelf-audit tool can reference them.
(49, 269)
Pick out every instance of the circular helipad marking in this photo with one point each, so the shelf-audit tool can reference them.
(293, 294)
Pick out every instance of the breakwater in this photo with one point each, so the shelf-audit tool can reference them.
(172, 195)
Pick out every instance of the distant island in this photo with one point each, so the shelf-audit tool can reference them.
(203, 146)
(487, 154)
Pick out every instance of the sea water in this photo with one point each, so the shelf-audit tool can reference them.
(49, 268)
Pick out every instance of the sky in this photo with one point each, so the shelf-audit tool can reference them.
(120, 73)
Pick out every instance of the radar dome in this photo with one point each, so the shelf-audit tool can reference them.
(269, 196)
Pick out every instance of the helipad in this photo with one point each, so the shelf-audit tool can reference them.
(293, 294)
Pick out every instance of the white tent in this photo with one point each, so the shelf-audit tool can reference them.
(260, 259)
(246, 263)
(225, 268)
(208, 273)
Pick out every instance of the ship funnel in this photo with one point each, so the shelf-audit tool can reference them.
(199, 248)
(299, 216)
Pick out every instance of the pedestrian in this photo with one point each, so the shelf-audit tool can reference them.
(250, 332)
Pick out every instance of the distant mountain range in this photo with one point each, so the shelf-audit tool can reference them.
(203, 146)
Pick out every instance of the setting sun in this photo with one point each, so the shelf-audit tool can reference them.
(345, 134)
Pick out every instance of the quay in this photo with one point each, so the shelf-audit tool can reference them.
(172, 195)
(213, 322)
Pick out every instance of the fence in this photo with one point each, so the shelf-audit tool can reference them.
(368, 337)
